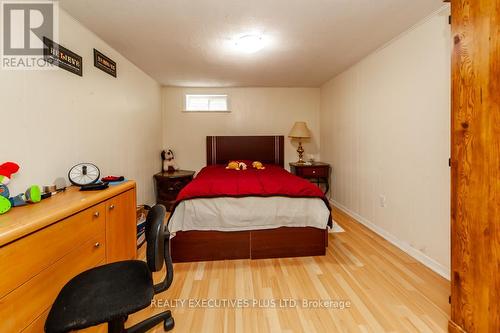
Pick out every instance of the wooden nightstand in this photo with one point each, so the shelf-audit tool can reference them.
(317, 172)
(169, 184)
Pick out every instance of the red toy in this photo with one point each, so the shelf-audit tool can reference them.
(6, 172)
(7, 169)
(109, 179)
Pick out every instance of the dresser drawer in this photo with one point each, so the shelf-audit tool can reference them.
(314, 172)
(121, 227)
(26, 257)
(34, 297)
(169, 189)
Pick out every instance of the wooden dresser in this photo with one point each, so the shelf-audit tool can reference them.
(43, 246)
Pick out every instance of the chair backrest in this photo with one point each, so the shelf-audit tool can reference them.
(154, 238)
(158, 245)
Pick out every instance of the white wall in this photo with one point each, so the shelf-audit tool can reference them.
(385, 128)
(52, 120)
(254, 111)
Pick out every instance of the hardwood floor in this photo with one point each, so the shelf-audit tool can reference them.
(388, 291)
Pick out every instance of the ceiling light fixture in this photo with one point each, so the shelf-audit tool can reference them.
(249, 43)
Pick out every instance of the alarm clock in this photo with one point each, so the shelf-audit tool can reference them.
(86, 175)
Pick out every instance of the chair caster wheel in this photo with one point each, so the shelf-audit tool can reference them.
(168, 324)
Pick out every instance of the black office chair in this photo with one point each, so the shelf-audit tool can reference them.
(109, 293)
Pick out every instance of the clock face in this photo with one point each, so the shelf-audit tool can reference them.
(84, 174)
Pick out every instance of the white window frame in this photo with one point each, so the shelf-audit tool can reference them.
(186, 97)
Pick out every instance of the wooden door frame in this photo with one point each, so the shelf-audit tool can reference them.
(475, 166)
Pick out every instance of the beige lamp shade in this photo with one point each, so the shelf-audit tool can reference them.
(299, 130)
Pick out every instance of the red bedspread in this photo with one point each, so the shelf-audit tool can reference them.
(216, 181)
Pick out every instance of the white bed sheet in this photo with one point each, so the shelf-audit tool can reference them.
(248, 213)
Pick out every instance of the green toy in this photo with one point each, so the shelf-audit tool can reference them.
(32, 194)
(6, 171)
(5, 204)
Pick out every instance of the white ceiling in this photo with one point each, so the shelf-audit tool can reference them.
(184, 42)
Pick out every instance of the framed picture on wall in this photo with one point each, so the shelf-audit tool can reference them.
(60, 56)
(104, 63)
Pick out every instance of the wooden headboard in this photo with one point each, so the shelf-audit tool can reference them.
(267, 149)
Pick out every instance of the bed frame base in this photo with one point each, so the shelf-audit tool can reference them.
(189, 246)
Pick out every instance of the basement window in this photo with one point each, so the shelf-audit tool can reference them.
(206, 103)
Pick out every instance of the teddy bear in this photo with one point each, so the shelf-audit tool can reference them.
(236, 165)
(168, 161)
(233, 165)
(258, 165)
(242, 165)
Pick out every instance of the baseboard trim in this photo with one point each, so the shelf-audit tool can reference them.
(403, 246)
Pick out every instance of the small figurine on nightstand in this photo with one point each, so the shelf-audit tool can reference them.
(168, 161)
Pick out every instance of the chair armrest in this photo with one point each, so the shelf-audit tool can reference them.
(169, 276)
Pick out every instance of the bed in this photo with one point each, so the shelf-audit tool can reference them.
(227, 214)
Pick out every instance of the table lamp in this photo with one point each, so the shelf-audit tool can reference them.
(300, 131)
